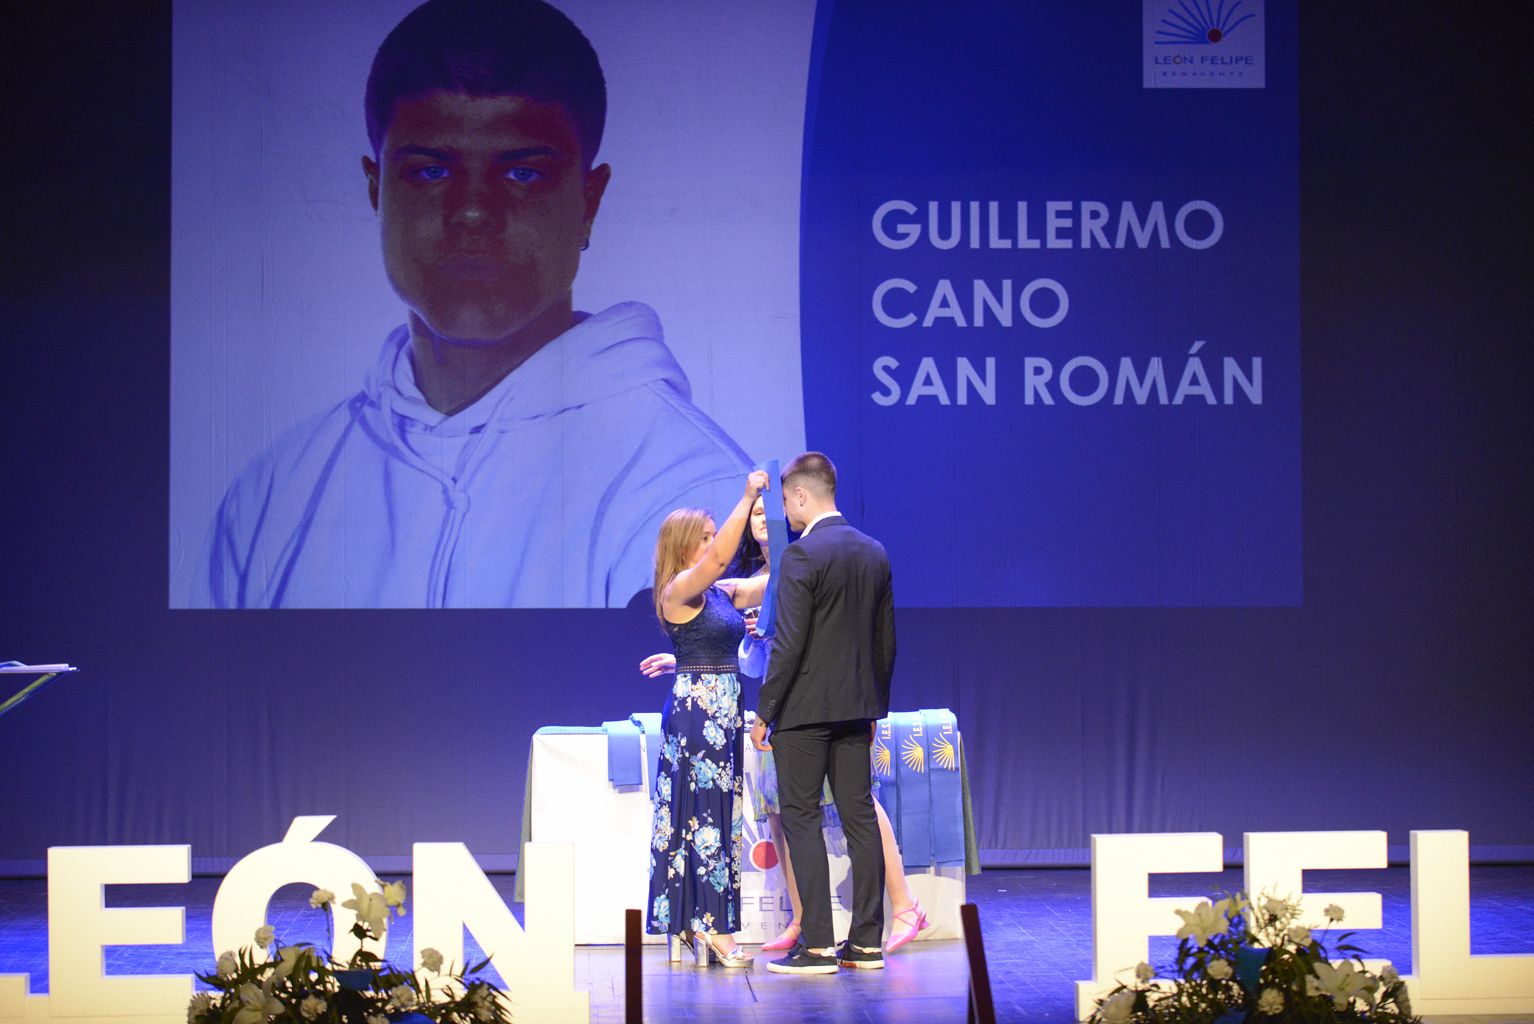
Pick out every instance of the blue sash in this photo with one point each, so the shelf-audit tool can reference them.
(886, 791)
(910, 754)
(916, 761)
(777, 543)
(625, 767)
(942, 731)
(649, 724)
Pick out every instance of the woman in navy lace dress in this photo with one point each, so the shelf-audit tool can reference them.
(695, 843)
(909, 918)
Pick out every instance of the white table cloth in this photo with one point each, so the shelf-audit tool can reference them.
(573, 802)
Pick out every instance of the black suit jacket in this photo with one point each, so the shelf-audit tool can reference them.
(834, 650)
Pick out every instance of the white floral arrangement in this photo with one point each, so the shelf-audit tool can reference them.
(1239, 961)
(268, 983)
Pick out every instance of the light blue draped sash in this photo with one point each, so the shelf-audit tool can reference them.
(916, 761)
(625, 763)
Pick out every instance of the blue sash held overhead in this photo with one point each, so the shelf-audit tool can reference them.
(625, 766)
(777, 543)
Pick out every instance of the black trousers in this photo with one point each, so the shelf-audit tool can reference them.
(806, 756)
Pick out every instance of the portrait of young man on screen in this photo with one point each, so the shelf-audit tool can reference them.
(506, 450)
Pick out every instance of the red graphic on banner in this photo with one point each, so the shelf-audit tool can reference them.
(764, 855)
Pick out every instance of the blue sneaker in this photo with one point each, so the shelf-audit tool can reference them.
(803, 961)
(848, 955)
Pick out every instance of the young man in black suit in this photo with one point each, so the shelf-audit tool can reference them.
(828, 681)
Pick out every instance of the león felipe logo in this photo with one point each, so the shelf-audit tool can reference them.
(1203, 44)
(912, 754)
(1200, 23)
(883, 767)
(943, 753)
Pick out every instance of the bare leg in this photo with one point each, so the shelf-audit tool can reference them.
(775, 823)
(894, 867)
(909, 919)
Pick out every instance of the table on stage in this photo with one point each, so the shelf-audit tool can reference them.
(569, 798)
(45, 675)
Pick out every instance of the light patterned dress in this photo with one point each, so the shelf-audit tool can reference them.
(695, 837)
(764, 795)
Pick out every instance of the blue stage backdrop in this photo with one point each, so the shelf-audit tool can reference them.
(1043, 258)
(1033, 274)
(1050, 265)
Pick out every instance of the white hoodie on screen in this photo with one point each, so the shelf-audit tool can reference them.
(548, 492)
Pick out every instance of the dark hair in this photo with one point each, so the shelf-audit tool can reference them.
(489, 48)
(814, 472)
(749, 556)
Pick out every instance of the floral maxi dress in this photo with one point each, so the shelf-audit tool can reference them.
(695, 838)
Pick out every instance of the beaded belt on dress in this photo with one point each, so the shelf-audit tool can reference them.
(711, 669)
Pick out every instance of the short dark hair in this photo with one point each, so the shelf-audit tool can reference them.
(814, 471)
(489, 48)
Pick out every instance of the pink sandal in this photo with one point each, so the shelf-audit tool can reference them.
(909, 923)
(788, 940)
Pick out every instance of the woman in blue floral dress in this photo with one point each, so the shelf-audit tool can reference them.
(695, 842)
(910, 920)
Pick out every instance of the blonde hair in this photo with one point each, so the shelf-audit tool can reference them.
(679, 536)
